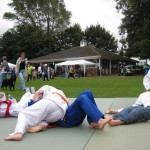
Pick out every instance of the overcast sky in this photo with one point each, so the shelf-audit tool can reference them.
(84, 12)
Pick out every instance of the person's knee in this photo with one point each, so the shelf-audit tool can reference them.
(87, 92)
(84, 96)
(82, 99)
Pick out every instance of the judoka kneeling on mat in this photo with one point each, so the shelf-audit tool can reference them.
(53, 107)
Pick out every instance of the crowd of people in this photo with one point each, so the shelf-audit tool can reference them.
(70, 71)
(43, 72)
(25, 71)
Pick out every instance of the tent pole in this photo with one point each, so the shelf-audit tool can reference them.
(84, 70)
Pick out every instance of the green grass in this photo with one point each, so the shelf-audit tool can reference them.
(102, 87)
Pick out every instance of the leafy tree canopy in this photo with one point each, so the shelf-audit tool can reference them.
(99, 37)
(135, 27)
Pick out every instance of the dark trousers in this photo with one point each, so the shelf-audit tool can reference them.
(77, 111)
(71, 75)
(45, 76)
(29, 77)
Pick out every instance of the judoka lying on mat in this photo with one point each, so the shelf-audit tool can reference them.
(10, 107)
(140, 111)
(53, 107)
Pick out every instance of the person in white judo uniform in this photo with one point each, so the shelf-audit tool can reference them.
(10, 107)
(51, 107)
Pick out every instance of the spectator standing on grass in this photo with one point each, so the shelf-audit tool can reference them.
(34, 74)
(123, 71)
(21, 69)
(40, 72)
(29, 78)
(52, 72)
(45, 72)
(4, 70)
(63, 71)
(71, 72)
(13, 73)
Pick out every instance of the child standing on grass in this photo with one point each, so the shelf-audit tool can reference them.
(34, 74)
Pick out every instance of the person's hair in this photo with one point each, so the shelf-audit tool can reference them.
(4, 58)
(22, 53)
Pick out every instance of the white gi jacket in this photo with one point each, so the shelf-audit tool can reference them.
(49, 93)
(50, 108)
(146, 81)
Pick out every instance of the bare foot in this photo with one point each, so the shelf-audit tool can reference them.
(111, 111)
(14, 137)
(94, 124)
(115, 122)
(103, 122)
(36, 128)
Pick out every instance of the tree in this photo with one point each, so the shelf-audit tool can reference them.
(50, 15)
(135, 27)
(22, 38)
(99, 37)
(37, 25)
(70, 37)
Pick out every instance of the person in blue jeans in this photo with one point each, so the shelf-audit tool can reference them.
(139, 111)
(21, 69)
(84, 105)
(131, 115)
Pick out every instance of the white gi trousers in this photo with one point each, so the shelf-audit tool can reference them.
(42, 112)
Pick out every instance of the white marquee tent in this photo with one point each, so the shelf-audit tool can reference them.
(11, 65)
(75, 62)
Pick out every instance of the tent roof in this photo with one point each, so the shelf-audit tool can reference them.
(75, 62)
(11, 65)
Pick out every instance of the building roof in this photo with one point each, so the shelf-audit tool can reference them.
(87, 52)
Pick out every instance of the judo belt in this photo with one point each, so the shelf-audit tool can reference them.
(62, 97)
(52, 125)
(8, 103)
